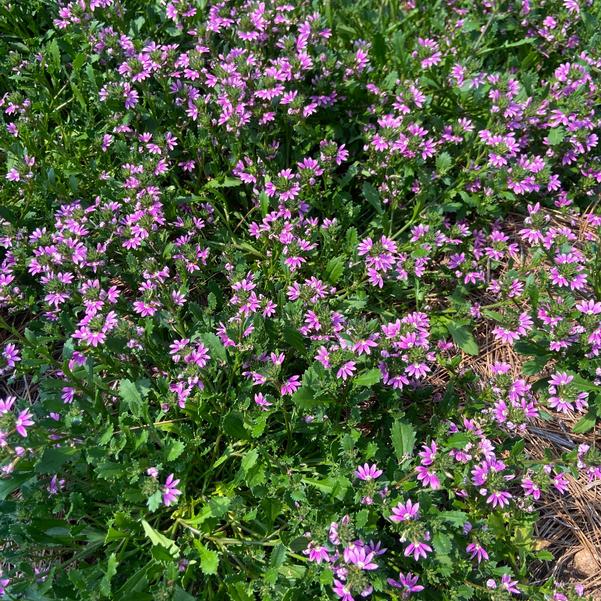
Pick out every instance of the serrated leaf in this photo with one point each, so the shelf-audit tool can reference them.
(443, 162)
(304, 399)
(175, 449)
(111, 570)
(10, 484)
(294, 339)
(249, 460)
(403, 439)
(233, 425)
(214, 344)
(457, 518)
(334, 269)
(209, 560)
(368, 378)
(458, 440)
(372, 196)
(463, 338)
(154, 501)
(54, 55)
(133, 394)
(585, 424)
(156, 538)
(556, 136)
(278, 555)
(53, 459)
(219, 506)
(180, 594)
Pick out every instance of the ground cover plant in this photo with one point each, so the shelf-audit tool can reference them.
(298, 300)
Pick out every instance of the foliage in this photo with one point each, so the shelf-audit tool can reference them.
(248, 252)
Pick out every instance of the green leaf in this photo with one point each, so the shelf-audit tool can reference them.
(304, 399)
(10, 484)
(442, 543)
(278, 555)
(219, 506)
(585, 424)
(156, 538)
(249, 460)
(368, 378)
(463, 338)
(556, 136)
(535, 365)
(233, 425)
(457, 518)
(227, 182)
(403, 439)
(443, 162)
(334, 269)
(180, 594)
(335, 487)
(209, 560)
(215, 346)
(458, 440)
(372, 196)
(175, 449)
(111, 570)
(55, 56)
(133, 394)
(294, 339)
(154, 501)
(53, 459)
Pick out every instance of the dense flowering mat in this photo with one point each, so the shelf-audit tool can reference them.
(287, 290)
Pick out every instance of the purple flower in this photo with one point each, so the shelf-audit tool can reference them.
(170, 492)
(358, 556)
(317, 553)
(290, 386)
(499, 498)
(343, 592)
(405, 511)
(509, 585)
(477, 551)
(262, 401)
(23, 421)
(531, 488)
(368, 472)
(427, 477)
(11, 354)
(407, 582)
(346, 370)
(417, 549)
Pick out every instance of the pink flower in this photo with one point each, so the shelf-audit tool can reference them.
(405, 511)
(427, 477)
(342, 590)
(589, 307)
(262, 402)
(346, 370)
(290, 386)
(499, 498)
(477, 551)
(23, 421)
(417, 549)
(361, 558)
(317, 553)
(11, 355)
(368, 472)
(407, 582)
(531, 488)
(508, 584)
(170, 492)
